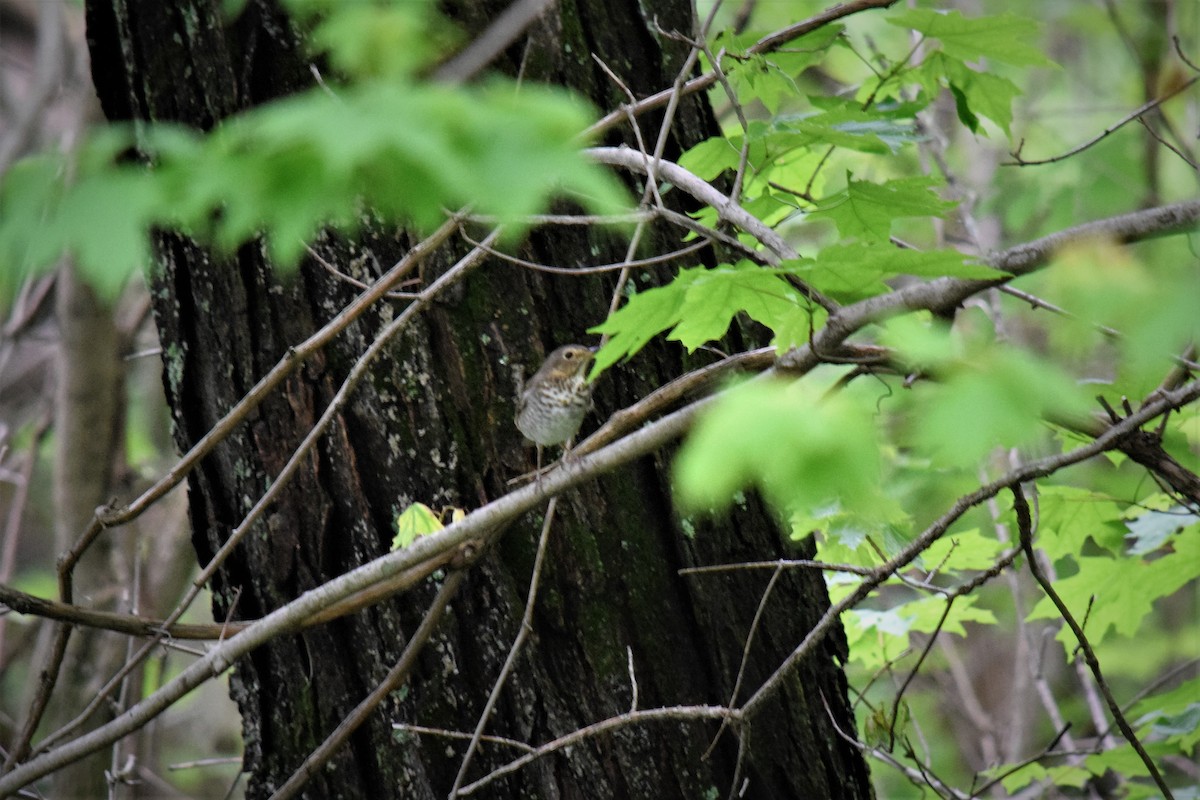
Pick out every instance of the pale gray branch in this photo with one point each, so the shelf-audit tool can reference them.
(486, 521)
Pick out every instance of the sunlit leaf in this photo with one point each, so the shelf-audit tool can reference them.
(1014, 780)
(698, 307)
(855, 270)
(975, 92)
(645, 315)
(416, 520)
(714, 296)
(711, 157)
(968, 549)
(875, 636)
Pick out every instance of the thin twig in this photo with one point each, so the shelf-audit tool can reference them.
(461, 735)
(672, 713)
(766, 44)
(1038, 468)
(1003, 563)
(510, 661)
(779, 563)
(1018, 161)
(1158, 137)
(918, 777)
(1025, 527)
(666, 396)
(745, 660)
(138, 625)
(1037, 302)
(493, 516)
(592, 270)
(511, 23)
(48, 675)
(298, 457)
(726, 209)
(398, 674)
(1020, 765)
(355, 282)
(16, 513)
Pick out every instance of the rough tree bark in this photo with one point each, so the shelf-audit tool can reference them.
(433, 424)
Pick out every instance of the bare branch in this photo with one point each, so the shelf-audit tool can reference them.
(487, 521)
(526, 627)
(1025, 526)
(684, 713)
(395, 678)
(726, 209)
(1137, 113)
(1034, 469)
(592, 270)
(511, 23)
(765, 45)
(286, 365)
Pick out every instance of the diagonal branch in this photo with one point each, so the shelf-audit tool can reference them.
(395, 678)
(1035, 469)
(766, 44)
(1025, 527)
(488, 521)
(1137, 114)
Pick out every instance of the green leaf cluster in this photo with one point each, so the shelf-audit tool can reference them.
(838, 177)
(1004, 38)
(284, 171)
(978, 393)
(770, 78)
(698, 307)
(866, 210)
(800, 449)
(1104, 580)
(877, 637)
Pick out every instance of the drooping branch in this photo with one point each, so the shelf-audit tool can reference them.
(726, 208)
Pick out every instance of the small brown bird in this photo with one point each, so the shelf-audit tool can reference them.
(556, 398)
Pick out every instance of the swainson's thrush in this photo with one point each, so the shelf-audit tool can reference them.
(556, 398)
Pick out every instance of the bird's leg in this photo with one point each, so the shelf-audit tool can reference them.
(539, 469)
(536, 474)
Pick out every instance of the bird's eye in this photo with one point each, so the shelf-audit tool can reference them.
(569, 355)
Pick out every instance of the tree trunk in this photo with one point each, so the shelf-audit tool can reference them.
(433, 424)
